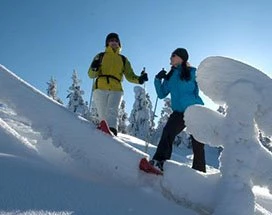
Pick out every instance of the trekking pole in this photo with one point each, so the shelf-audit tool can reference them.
(153, 117)
(154, 112)
(155, 108)
(144, 85)
(91, 97)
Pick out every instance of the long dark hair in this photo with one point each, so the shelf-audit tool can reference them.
(185, 71)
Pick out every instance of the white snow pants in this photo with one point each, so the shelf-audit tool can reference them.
(107, 103)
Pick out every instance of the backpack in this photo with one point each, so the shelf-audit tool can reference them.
(100, 56)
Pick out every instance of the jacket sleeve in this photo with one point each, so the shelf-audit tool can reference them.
(91, 72)
(129, 74)
(161, 87)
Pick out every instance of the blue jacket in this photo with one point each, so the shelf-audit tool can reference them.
(183, 93)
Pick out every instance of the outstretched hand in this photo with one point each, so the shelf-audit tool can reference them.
(143, 77)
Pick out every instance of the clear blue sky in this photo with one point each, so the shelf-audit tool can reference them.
(40, 39)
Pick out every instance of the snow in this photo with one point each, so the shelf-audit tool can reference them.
(55, 162)
(243, 90)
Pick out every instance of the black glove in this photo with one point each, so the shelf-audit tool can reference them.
(95, 65)
(161, 74)
(143, 78)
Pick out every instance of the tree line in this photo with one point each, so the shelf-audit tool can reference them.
(139, 123)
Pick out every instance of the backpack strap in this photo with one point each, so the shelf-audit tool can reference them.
(108, 79)
(101, 55)
(124, 61)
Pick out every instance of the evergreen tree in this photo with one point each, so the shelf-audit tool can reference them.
(165, 113)
(52, 90)
(93, 114)
(152, 115)
(140, 116)
(76, 102)
(183, 139)
(122, 118)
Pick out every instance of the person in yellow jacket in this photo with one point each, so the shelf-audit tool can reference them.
(108, 69)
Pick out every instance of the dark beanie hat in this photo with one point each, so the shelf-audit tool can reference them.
(112, 36)
(182, 53)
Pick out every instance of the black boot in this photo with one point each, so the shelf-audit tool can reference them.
(199, 162)
(114, 131)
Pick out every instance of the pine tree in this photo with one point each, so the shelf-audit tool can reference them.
(165, 113)
(183, 139)
(76, 103)
(140, 116)
(122, 118)
(52, 90)
(93, 114)
(152, 115)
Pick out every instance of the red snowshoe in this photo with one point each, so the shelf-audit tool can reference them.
(149, 168)
(103, 126)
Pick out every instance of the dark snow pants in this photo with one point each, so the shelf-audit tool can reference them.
(173, 127)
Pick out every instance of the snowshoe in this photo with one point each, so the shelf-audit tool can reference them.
(148, 167)
(103, 126)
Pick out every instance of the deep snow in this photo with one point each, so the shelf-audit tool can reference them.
(54, 162)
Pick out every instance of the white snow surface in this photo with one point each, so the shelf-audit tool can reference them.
(54, 162)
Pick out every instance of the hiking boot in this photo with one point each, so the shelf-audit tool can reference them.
(114, 131)
(157, 164)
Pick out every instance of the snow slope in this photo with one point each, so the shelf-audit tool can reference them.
(54, 162)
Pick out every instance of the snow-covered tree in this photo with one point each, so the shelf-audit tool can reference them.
(152, 114)
(245, 91)
(93, 114)
(76, 102)
(140, 116)
(52, 90)
(122, 118)
(165, 113)
(183, 139)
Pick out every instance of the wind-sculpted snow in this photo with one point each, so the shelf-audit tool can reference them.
(244, 162)
(62, 133)
(99, 156)
(34, 125)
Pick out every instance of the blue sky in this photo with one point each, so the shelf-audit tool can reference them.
(40, 39)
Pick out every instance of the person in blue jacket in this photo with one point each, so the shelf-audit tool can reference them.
(181, 83)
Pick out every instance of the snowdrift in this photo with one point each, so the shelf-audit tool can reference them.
(98, 156)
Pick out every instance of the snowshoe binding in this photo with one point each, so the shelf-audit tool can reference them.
(153, 166)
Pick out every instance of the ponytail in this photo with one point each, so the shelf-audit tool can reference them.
(185, 71)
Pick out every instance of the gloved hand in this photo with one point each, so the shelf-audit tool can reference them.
(161, 74)
(143, 78)
(95, 65)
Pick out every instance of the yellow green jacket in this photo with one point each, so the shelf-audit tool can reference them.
(110, 74)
